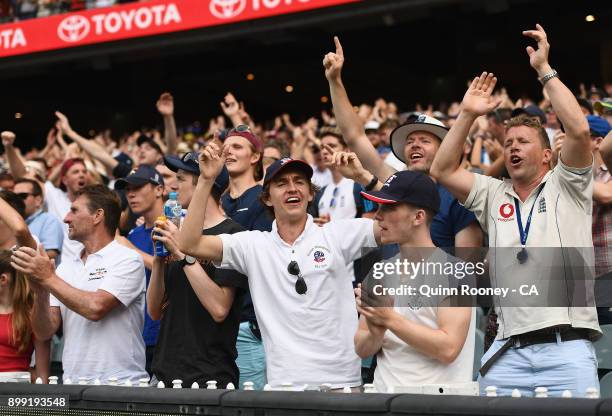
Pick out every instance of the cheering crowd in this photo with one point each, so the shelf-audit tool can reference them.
(266, 274)
(16, 10)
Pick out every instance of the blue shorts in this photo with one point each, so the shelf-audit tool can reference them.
(560, 366)
(251, 359)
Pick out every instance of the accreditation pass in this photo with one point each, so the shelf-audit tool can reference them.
(50, 401)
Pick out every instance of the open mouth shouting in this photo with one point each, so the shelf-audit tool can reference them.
(515, 161)
(416, 156)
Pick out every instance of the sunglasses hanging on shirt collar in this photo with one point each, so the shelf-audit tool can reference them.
(300, 284)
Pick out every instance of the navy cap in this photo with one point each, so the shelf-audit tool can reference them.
(143, 175)
(598, 125)
(190, 163)
(413, 188)
(286, 163)
(146, 139)
(530, 110)
(124, 158)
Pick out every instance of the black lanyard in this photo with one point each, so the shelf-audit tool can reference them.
(524, 233)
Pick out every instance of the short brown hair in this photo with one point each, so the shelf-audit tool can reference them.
(265, 194)
(100, 197)
(527, 121)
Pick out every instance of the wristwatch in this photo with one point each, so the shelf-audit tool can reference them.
(188, 261)
(547, 77)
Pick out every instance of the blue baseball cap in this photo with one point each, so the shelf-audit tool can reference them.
(532, 111)
(284, 164)
(598, 125)
(190, 163)
(143, 175)
(414, 188)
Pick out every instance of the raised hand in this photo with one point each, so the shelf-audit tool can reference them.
(8, 138)
(230, 105)
(478, 99)
(347, 163)
(333, 62)
(211, 161)
(538, 58)
(63, 123)
(165, 104)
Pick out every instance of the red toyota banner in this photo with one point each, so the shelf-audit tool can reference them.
(139, 19)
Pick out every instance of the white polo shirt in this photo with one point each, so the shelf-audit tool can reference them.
(400, 364)
(58, 205)
(308, 339)
(562, 217)
(113, 346)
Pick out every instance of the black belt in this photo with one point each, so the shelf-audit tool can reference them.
(540, 336)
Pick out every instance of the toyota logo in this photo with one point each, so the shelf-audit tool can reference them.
(226, 9)
(73, 28)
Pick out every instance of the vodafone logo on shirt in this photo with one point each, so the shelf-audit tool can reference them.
(75, 28)
(506, 212)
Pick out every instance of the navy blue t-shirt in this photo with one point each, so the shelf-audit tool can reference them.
(451, 219)
(249, 212)
(141, 238)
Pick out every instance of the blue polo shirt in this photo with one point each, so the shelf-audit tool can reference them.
(451, 219)
(48, 229)
(141, 238)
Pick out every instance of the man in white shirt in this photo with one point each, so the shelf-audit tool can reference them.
(98, 297)
(535, 346)
(301, 288)
(416, 341)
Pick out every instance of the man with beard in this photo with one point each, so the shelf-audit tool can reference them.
(414, 143)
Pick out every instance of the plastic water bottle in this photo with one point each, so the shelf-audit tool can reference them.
(173, 210)
(160, 248)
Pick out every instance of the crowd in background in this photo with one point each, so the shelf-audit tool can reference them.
(41, 188)
(17, 10)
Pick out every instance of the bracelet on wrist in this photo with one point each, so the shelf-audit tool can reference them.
(372, 184)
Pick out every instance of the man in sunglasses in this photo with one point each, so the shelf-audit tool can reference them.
(297, 273)
(43, 225)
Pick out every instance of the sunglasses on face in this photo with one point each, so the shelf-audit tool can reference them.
(23, 195)
(300, 284)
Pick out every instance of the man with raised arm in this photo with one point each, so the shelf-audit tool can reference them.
(414, 143)
(535, 346)
(73, 178)
(300, 285)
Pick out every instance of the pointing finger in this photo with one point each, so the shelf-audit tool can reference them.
(339, 49)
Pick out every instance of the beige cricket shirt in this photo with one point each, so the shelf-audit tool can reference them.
(561, 218)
